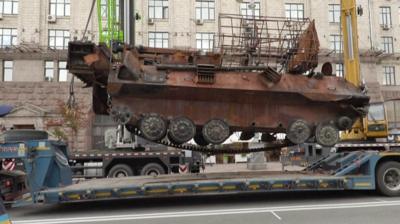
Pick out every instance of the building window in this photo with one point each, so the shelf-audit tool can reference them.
(334, 13)
(336, 43)
(103, 9)
(389, 76)
(62, 71)
(205, 9)
(60, 7)
(248, 10)
(340, 70)
(49, 71)
(158, 9)
(385, 16)
(204, 41)
(387, 45)
(8, 37)
(158, 39)
(58, 39)
(104, 12)
(294, 11)
(9, 7)
(8, 67)
(393, 113)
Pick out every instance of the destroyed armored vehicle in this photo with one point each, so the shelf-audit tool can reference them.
(260, 77)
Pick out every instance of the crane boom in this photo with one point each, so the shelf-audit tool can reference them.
(109, 21)
(350, 41)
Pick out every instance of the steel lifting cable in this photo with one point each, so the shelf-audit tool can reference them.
(89, 18)
(71, 103)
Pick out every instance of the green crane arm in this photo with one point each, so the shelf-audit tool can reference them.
(109, 22)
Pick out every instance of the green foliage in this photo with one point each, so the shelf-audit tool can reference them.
(59, 134)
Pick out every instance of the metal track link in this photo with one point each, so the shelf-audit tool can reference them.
(213, 150)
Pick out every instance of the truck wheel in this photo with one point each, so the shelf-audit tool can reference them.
(152, 169)
(23, 135)
(120, 170)
(388, 179)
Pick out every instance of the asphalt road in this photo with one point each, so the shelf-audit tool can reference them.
(290, 208)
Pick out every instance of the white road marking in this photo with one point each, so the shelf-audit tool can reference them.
(96, 219)
(276, 215)
(380, 200)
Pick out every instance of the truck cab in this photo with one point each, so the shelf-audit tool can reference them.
(376, 122)
(373, 126)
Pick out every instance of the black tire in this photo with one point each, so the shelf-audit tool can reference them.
(152, 169)
(23, 135)
(386, 184)
(120, 170)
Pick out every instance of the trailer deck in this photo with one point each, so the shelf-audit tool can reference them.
(48, 169)
(192, 184)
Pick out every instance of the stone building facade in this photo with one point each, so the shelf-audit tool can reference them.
(34, 36)
(34, 39)
(37, 105)
(192, 23)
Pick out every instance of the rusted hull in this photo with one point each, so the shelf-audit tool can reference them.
(242, 100)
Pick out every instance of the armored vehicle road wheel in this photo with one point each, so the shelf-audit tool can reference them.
(153, 127)
(216, 131)
(327, 134)
(181, 130)
(345, 123)
(298, 131)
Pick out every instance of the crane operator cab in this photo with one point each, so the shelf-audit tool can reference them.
(373, 126)
(376, 122)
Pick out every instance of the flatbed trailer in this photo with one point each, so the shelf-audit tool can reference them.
(352, 171)
(204, 184)
(50, 177)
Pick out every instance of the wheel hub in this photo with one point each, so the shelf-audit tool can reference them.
(298, 132)
(121, 174)
(153, 127)
(181, 130)
(391, 179)
(327, 135)
(216, 131)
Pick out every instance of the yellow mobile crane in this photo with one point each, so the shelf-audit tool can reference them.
(374, 125)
